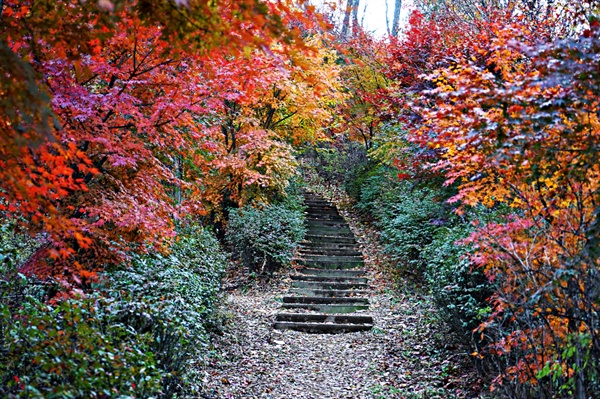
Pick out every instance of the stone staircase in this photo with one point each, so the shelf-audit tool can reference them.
(329, 294)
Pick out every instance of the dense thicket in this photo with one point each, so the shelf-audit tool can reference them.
(136, 335)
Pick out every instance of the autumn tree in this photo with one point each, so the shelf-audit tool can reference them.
(503, 104)
(104, 110)
(364, 109)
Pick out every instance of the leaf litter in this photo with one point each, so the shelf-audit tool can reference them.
(409, 353)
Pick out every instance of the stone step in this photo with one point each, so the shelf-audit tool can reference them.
(330, 265)
(324, 318)
(341, 230)
(323, 216)
(328, 238)
(328, 245)
(329, 252)
(327, 210)
(316, 251)
(320, 285)
(326, 308)
(326, 300)
(330, 229)
(328, 279)
(330, 232)
(334, 273)
(337, 259)
(326, 223)
(317, 202)
(332, 282)
(330, 293)
(320, 206)
(321, 328)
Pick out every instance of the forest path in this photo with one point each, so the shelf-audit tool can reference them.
(330, 293)
(409, 353)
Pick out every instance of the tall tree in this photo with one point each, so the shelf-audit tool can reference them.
(350, 22)
(104, 116)
(396, 20)
(355, 23)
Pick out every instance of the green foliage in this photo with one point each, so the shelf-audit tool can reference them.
(339, 162)
(78, 348)
(173, 297)
(422, 234)
(265, 237)
(459, 288)
(136, 336)
(15, 248)
(409, 225)
(407, 216)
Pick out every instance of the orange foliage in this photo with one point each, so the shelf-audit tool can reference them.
(112, 111)
(509, 109)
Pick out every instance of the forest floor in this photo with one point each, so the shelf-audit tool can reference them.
(410, 353)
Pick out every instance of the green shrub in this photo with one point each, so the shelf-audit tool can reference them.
(172, 298)
(75, 349)
(420, 232)
(460, 289)
(408, 219)
(265, 238)
(135, 336)
(15, 248)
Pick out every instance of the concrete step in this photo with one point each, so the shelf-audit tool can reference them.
(323, 216)
(329, 238)
(324, 318)
(326, 223)
(337, 259)
(321, 285)
(333, 282)
(330, 279)
(330, 265)
(328, 252)
(313, 206)
(335, 226)
(324, 210)
(330, 293)
(325, 300)
(327, 233)
(341, 230)
(328, 245)
(321, 328)
(317, 202)
(334, 273)
(326, 308)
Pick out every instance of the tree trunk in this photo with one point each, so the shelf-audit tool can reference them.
(355, 23)
(387, 19)
(346, 22)
(396, 21)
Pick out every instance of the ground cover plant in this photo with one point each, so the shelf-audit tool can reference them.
(134, 336)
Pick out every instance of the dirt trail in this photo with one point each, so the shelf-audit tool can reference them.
(408, 354)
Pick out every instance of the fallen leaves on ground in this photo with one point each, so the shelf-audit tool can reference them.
(410, 352)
